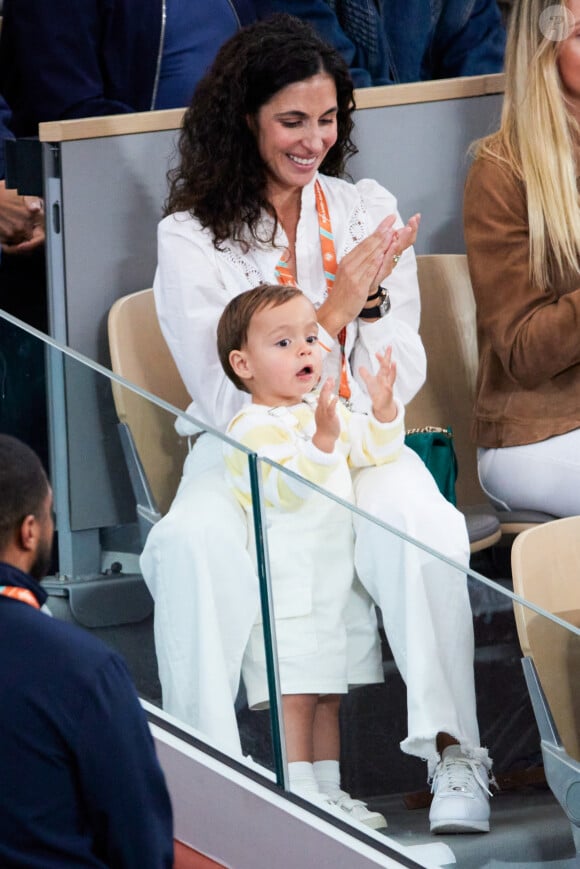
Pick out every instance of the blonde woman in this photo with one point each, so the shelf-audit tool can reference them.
(522, 230)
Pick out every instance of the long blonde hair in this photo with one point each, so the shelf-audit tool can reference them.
(536, 139)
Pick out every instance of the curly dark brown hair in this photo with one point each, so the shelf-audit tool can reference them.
(221, 178)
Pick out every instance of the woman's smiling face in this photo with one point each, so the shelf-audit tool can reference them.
(295, 131)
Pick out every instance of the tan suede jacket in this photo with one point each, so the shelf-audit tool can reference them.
(528, 383)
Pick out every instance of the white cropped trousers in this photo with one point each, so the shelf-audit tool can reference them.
(200, 574)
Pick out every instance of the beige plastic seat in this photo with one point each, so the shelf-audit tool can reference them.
(153, 450)
(546, 571)
(449, 333)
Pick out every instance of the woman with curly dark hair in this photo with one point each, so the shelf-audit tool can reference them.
(258, 198)
(218, 117)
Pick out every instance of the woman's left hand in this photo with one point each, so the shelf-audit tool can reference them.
(404, 238)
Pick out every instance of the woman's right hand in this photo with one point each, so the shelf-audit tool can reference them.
(361, 270)
(355, 275)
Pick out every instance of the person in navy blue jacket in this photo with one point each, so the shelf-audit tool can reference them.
(80, 782)
(396, 41)
(63, 60)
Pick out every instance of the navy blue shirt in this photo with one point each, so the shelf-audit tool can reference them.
(80, 785)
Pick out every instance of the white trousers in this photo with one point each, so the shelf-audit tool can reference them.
(424, 601)
(197, 568)
(543, 476)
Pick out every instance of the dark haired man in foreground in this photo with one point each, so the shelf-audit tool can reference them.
(79, 781)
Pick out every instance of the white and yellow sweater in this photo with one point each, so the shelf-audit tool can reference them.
(284, 435)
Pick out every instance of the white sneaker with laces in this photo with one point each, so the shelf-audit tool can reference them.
(358, 811)
(461, 794)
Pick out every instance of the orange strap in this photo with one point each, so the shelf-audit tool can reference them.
(328, 250)
(22, 594)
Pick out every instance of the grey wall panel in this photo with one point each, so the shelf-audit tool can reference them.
(100, 490)
(113, 193)
(419, 153)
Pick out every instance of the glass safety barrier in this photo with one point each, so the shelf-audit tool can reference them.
(291, 578)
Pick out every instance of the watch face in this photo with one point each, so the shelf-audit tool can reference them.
(385, 304)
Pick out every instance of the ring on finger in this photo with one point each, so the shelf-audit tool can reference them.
(396, 258)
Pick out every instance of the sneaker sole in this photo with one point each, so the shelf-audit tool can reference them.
(460, 826)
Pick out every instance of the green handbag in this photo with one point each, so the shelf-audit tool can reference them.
(435, 446)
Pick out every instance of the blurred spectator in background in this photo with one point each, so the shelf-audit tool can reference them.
(405, 40)
(76, 60)
(21, 217)
(22, 294)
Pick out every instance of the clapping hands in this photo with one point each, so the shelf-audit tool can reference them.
(362, 269)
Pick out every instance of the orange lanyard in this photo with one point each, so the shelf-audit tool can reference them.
(285, 276)
(21, 594)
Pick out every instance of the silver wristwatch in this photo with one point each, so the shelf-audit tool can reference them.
(382, 307)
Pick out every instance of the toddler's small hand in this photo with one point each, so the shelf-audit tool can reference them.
(326, 418)
(380, 387)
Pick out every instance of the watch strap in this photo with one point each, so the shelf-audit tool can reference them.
(370, 313)
(379, 294)
(379, 310)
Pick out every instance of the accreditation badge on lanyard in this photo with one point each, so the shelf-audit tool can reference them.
(328, 250)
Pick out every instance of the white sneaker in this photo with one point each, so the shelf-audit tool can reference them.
(359, 811)
(343, 804)
(461, 794)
